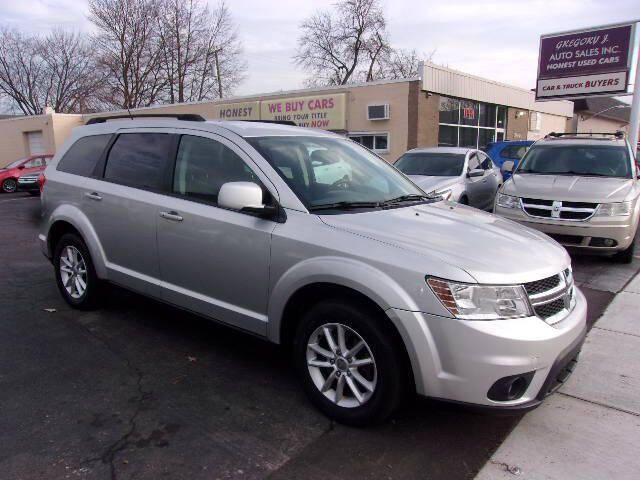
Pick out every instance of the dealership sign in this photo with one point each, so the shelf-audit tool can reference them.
(584, 63)
(318, 111)
(238, 111)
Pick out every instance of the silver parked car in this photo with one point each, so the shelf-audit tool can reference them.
(583, 191)
(462, 175)
(377, 288)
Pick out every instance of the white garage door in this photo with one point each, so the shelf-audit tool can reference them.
(35, 142)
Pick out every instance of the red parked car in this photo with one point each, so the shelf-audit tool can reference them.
(32, 164)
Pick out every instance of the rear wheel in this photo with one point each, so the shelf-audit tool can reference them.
(350, 365)
(625, 256)
(75, 275)
(9, 185)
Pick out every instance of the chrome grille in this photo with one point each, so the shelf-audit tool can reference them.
(551, 297)
(558, 209)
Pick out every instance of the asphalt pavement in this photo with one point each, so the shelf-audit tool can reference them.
(142, 390)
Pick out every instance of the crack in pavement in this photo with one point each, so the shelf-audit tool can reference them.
(109, 454)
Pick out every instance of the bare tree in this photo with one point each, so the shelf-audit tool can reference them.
(333, 45)
(56, 70)
(400, 63)
(201, 56)
(128, 51)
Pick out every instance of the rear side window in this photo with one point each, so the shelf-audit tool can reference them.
(513, 152)
(139, 159)
(83, 155)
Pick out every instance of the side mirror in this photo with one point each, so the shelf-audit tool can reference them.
(245, 197)
(21, 167)
(507, 166)
(478, 172)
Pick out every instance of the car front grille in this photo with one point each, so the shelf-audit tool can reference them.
(566, 239)
(551, 297)
(558, 209)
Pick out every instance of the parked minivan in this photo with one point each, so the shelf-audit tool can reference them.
(377, 288)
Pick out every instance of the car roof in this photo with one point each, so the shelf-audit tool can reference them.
(242, 128)
(461, 150)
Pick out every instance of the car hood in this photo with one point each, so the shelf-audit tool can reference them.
(569, 187)
(429, 184)
(491, 249)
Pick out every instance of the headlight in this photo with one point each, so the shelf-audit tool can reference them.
(620, 209)
(507, 201)
(481, 302)
(445, 194)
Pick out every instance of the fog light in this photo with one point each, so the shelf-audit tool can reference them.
(510, 388)
(608, 242)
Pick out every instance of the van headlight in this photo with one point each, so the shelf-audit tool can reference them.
(507, 201)
(481, 302)
(618, 209)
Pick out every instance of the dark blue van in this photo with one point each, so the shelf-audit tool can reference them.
(511, 150)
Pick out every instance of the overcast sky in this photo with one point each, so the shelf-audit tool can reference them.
(496, 39)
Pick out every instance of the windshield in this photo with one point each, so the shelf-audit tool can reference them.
(326, 171)
(584, 160)
(431, 164)
(16, 163)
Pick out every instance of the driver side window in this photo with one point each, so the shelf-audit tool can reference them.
(203, 165)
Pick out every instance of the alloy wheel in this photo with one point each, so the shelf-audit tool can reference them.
(341, 365)
(9, 185)
(73, 271)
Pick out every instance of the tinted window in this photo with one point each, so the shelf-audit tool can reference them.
(204, 165)
(474, 163)
(513, 152)
(138, 159)
(83, 155)
(447, 136)
(485, 162)
(431, 164)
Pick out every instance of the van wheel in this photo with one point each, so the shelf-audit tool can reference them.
(350, 367)
(9, 185)
(625, 256)
(75, 274)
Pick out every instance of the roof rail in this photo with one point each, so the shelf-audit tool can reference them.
(618, 134)
(278, 122)
(190, 117)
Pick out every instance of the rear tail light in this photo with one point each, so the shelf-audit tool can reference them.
(41, 181)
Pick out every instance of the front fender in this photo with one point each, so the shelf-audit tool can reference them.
(74, 216)
(364, 278)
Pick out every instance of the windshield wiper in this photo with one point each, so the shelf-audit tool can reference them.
(344, 206)
(412, 197)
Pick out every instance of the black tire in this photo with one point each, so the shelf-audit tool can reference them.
(34, 193)
(89, 299)
(9, 185)
(625, 256)
(391, 375)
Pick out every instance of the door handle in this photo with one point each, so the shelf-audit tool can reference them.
(93, 196)
(172, 215)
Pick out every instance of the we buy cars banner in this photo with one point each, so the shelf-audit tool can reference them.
(585, 63)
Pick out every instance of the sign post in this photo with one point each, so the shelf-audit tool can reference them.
(634, 124)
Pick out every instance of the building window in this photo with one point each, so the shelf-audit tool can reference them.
(378, 142)
(535, 121)
(465, 123)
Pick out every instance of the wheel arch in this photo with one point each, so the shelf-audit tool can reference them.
(69, 219)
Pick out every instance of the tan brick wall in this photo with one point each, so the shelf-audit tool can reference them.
(517, 124)
(428, 119)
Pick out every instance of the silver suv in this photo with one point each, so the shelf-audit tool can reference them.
(309, 240)
(582, 191)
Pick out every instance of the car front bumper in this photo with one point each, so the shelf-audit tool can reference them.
(459, 360)
(582, 235)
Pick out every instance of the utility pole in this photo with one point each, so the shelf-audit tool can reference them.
(215, 54)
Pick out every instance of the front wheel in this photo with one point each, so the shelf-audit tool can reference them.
(350, 366)
(75, 275)
(9, 185)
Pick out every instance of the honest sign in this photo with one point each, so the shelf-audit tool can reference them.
(579, 64)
